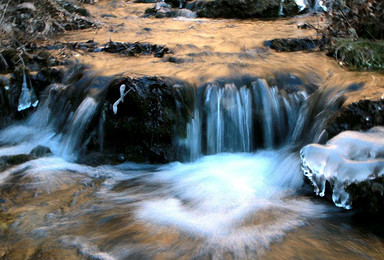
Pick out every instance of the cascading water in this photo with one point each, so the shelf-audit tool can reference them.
(241, 118)
(58, 123)
(239, 195)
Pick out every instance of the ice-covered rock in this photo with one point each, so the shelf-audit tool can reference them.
(350, 157)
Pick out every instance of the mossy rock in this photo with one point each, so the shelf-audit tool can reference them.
(359, 54)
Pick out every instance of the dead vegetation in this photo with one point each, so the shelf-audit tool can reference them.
(357, 32)
(25, 22)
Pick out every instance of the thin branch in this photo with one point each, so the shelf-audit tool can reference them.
(5, 10)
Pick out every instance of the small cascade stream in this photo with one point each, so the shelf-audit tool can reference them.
(193, 153)
(240, 193)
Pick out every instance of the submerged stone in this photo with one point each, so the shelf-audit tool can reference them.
(40, 151)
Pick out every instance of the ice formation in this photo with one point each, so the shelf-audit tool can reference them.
(349, 157)
(27, 97)
(121, 99)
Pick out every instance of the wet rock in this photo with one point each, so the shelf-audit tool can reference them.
(73, 8)
(10, 160)
(6, 107)
(34, 60)
(306, 26)
(40, 151)
(134, 49)
(123, 48)
(244, 8)
(358, 116)
(146, 1)
(297, 44)
(108, 16)
(8, 58)
(368, 196)
(162, 10)
(173, 59)
(46, 77)
(177, 3)
(141, 126)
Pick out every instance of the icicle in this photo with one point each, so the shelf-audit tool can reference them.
(281, 12)
(121, 99)
(25, 100)
(28, 96)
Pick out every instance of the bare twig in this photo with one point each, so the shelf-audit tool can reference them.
(5, 10)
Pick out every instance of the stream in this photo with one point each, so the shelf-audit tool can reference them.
(236, 191)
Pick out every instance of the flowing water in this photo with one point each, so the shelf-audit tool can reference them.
(238, 193)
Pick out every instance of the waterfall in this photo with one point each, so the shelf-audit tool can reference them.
(231, 117)
(238, 115)
(81, 119)
(61, 119)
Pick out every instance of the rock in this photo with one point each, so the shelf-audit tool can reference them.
(6, 106)
(244, 8)
(177, 3)
(358, 116)
(72, 8)
(162, 10)
(368, 196)
(8, 59)
(142, 129)
(353, 164)
(40, 151)
(134, 49)
(46, 77)
(297, 44)
(185, 13)
(10, 160)
(306, 26)
(123, 48)
(108, 16)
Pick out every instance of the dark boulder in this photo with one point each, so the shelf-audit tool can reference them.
(10, 160)
(162, 10)
(358, 116)
(40, 151)
(243, 9)
(122, 48)
(368, 196)
(142, 126)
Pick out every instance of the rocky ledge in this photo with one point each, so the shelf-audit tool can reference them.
(350, 166)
